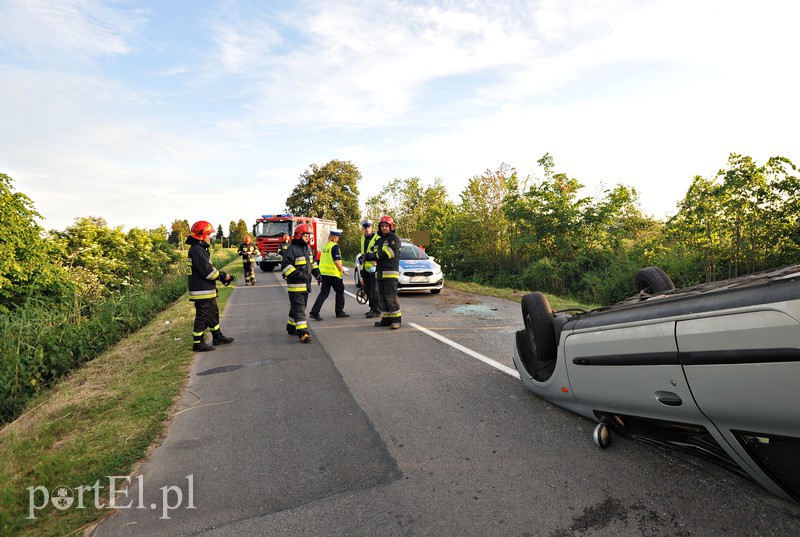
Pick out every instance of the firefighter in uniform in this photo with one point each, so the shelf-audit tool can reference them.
(331, 269)
(385, 253)
(284, 244)
(368, 269)
(248, 251)
(298, 267)
(203, 287)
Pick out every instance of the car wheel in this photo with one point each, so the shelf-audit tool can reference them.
(361, 296)
(539, 356)
(653, 280)
(435, 291)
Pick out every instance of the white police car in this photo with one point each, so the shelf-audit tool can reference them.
(418, 270)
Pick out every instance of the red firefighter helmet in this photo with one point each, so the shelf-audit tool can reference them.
(386, 220)
(201, 229)
(247, 239)
(299, 230)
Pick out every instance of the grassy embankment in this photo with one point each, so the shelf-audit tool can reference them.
(98, 421)
(103, 419)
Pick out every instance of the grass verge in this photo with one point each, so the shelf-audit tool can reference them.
(556, 302)
(99, 421)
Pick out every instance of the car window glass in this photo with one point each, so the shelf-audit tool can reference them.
(410, 251)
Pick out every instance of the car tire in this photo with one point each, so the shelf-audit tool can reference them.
(653, 280)
(266, 267)
(539, 356)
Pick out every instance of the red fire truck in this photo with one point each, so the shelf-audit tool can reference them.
(270, 229)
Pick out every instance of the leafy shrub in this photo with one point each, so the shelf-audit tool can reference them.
(543, 275)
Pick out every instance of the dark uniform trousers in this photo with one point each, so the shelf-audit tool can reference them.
(325, 290)
(389, 303)
(206, 316)
(371, 286)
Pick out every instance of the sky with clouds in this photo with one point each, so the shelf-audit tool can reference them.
(143, 112)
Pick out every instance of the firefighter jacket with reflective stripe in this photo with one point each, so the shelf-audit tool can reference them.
(282, 248)
(202, 274)
(330, 253)
(387, 254)
(248, 251)
(298, 266)
(367, 244)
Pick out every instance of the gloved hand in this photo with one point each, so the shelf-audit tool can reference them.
(231, 278)
(319, 281)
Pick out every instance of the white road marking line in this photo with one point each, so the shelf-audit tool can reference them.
(478, 356)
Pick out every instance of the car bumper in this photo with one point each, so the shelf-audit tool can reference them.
(433, 283)
(269, 258)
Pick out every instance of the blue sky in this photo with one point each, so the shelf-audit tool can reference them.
(145, 112)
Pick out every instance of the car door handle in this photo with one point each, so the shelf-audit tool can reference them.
(668, 398)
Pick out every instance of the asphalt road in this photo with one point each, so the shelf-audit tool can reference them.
(418, 431)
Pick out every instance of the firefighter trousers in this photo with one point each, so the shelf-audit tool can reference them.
(206, 316)
(297, 323)
(249, 271)
(389, 303)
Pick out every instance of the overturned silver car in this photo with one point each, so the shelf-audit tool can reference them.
(712, 370)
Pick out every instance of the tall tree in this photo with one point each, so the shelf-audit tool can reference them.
(549, 215)
(414, 207)
(179, 230)
(743, 220)
(237, 232)
(477, 241)
(330, 191)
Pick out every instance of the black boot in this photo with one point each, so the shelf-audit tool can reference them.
(220, 338)
(202, 347)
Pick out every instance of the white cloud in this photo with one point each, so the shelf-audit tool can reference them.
(647, 93)
(66, 31)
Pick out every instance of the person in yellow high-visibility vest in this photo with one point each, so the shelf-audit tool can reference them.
(331, 270)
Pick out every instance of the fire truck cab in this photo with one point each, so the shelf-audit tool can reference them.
(270, 229)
